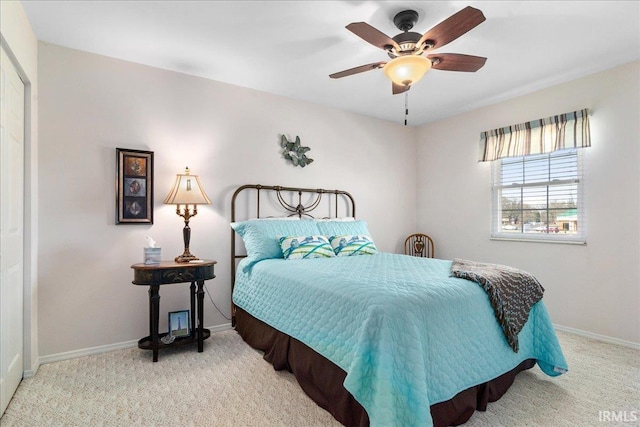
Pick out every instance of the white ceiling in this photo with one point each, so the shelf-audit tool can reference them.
(289, 48)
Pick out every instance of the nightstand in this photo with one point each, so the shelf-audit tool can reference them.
(166, 273)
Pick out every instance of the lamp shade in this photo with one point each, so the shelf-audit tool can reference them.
(407, 70)
(187, 190)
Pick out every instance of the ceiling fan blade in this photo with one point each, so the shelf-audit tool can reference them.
(372, 35)
(456, 62)
(453, 27)
(357, 70)
(396, 88)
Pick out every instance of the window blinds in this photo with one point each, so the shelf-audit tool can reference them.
(539, 197)
(564, 131)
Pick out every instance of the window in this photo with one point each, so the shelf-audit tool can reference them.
(537, 180)
(539, 197)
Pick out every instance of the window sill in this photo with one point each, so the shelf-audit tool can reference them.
(540, 240)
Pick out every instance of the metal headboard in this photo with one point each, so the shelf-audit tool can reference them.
(342, 199)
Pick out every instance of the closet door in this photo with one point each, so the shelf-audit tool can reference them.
(11, 229)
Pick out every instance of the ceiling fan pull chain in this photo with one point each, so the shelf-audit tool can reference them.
(406, 107)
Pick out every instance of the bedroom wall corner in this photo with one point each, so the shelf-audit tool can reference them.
(592, 288)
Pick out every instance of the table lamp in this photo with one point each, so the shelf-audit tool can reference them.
(186, 191)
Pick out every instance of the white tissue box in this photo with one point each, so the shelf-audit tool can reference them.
(152, 255)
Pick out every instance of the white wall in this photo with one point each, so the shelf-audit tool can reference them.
(593, 288)
(90, 104)
(228, 135)
(20, 43)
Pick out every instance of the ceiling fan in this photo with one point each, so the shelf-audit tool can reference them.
(407, 64)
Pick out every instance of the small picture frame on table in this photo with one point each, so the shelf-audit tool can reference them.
(179, 323)
(134, 186)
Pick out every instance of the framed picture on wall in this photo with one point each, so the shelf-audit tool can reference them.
(134, 186)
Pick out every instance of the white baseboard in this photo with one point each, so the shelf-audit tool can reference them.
(34, 368)
(104, 349)
(129, 344)
(598, 337)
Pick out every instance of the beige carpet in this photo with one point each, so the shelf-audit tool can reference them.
(229, 384)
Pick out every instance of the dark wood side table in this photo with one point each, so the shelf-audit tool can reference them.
(169, 272)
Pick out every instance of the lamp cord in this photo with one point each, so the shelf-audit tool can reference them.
(214, 304)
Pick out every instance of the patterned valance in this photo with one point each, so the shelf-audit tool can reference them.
(569, 130)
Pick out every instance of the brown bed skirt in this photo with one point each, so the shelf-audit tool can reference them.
(322, 380)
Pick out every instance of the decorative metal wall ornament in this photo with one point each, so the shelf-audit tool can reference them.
(294, 152)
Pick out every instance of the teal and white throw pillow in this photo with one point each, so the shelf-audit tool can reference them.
(349, 245)
(305, 247)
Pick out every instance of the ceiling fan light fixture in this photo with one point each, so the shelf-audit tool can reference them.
(407, 70)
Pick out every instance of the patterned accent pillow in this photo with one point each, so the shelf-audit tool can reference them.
(349, 245)
(305, 247)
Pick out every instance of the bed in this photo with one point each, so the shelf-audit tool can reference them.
(377, 339)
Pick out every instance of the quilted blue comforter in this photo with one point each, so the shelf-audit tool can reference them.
(407, 334)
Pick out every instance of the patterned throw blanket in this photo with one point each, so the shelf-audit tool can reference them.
(512, 293)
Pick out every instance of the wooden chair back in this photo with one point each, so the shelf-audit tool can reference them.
(419, 245)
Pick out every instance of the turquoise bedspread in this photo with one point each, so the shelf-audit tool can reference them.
(407, 334)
